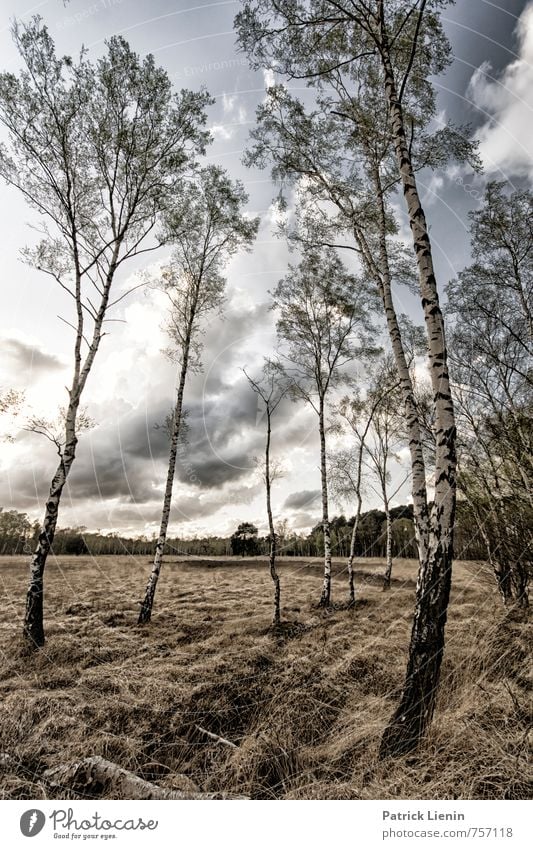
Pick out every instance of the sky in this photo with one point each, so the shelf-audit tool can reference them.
(117, 481)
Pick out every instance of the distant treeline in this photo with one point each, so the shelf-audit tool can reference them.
(18, 536)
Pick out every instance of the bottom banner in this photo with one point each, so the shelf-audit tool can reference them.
(258, 824)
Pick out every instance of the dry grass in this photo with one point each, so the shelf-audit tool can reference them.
(305, 706)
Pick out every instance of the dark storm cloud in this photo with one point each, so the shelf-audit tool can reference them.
(233, 340)
(94, 479)
(113, 478)
(143, 434)
(225, 422)
(222, 439)
(212, 471)
(226, 434)
(128, 459)
(125, 460)
(25, 486)
(28, 358)
(305, 498)
(190, 507)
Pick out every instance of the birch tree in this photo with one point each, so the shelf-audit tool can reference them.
(349, 172)
(347, 469)
(382, 55)
(207, 227)
(271, 391)
(382, 443)
(323, 325)
(96, 149)
(491, 305)
(373, 424)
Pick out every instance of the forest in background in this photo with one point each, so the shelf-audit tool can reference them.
(18, 536)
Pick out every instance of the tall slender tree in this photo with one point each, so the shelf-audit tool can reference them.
(97, 150)
(349, 173)
(383, 440)
(347, 468)
(374, 423)
(271, 391)
(323, 326)
(207, 228)
(383, 55)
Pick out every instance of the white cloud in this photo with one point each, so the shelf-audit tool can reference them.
(228, 103)
(234, 110)
(233, 106)
(221, 132)
(506, 137)
(269, 78)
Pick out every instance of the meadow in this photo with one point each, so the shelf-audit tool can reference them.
(303, 706)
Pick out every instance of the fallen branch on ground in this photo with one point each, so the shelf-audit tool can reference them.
(215, 737)
(99, 778)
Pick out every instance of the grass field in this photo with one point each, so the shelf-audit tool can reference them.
(304, 707)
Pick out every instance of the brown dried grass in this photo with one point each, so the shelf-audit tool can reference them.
(305, 705)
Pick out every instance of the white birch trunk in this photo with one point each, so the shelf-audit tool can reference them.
(34, 617)
(272, 554)
(388, 546)
(33, 632)
(351, 556)
(417, 703)
(145, 612)
(418, 466)
(325, 598)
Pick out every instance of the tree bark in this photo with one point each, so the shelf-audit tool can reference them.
(511, 544)
(418, 465)
(351, 556)
(414, 713)
(33, 631)
(275, 578)
(145, 612)
(325, 598)
(504, 582)
(519, 574)
(388, 547)
(34, 618)
(272, 553)
(520, 579)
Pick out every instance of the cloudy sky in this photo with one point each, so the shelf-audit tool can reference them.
(117, 481)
